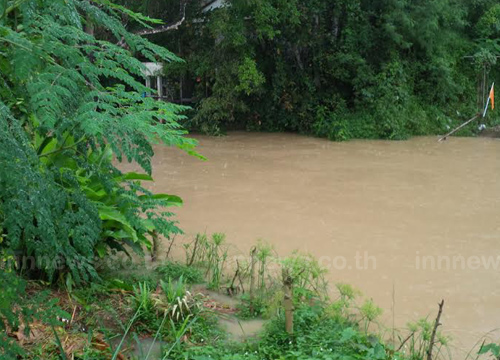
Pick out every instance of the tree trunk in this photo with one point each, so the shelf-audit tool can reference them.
(156, 245)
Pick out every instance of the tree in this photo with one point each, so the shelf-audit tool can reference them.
(70, 102)
(343, 69)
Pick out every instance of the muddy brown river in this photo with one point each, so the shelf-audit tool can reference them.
(408, 223)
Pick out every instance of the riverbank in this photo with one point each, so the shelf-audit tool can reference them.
(330, 200)
(217, 306)
(396, 202)
(139, 312)
(493, 132)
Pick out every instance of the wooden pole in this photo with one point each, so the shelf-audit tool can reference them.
(252, 272)
(288, 301)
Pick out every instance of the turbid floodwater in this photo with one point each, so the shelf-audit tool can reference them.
(407, 222)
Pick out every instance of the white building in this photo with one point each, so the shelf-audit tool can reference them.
(154, 77)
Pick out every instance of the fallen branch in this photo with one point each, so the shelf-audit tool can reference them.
(458, 128)
(434, 330)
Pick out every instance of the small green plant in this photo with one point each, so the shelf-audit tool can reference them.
(369, 313)
(210, 255)
(249, 307)
(175, 270)
(308, 276)
(264, 253)
(415, 345)
(342, 306)
(207, 330)
(173, 290)
(196, 252)
(142, 297)
(144, 306)
(216, 260)
(176, 300)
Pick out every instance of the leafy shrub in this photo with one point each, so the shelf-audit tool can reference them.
(316, 336)
(170, 300)
(418, 341)
(249, 308)
(18, 311)
(175, 270)
(70, 102)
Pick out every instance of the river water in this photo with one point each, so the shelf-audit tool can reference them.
(408, 223)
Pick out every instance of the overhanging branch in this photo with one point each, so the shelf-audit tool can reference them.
(164, 28)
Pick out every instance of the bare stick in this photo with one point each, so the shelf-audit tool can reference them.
(434, 331)
(239, 277)
(170, 246)
(196, 241)
(404, 341)
(232, 289)
(458, 128)
(288, 301)
(393, 313)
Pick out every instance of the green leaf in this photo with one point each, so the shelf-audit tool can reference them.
(92, 194)
(101, 250)
(109, 213)
(348, 334)
(137, 176)
(169, 200)
(493, 348)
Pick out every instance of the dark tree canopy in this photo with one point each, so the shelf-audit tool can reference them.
(339, 69)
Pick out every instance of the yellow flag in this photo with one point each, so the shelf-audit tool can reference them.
(492, 97)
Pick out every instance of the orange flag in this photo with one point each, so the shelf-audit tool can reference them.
(492, 97)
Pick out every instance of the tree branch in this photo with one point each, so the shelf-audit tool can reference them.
(164, 28)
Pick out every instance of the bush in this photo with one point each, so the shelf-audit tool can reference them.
(175, 270)
(18, 311)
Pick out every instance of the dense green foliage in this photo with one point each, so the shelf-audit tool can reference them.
(319, 336)
(71, 108)
(17, 311)
(70, 102)
(343, 69)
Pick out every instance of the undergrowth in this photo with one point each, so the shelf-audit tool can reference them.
(107, 318)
